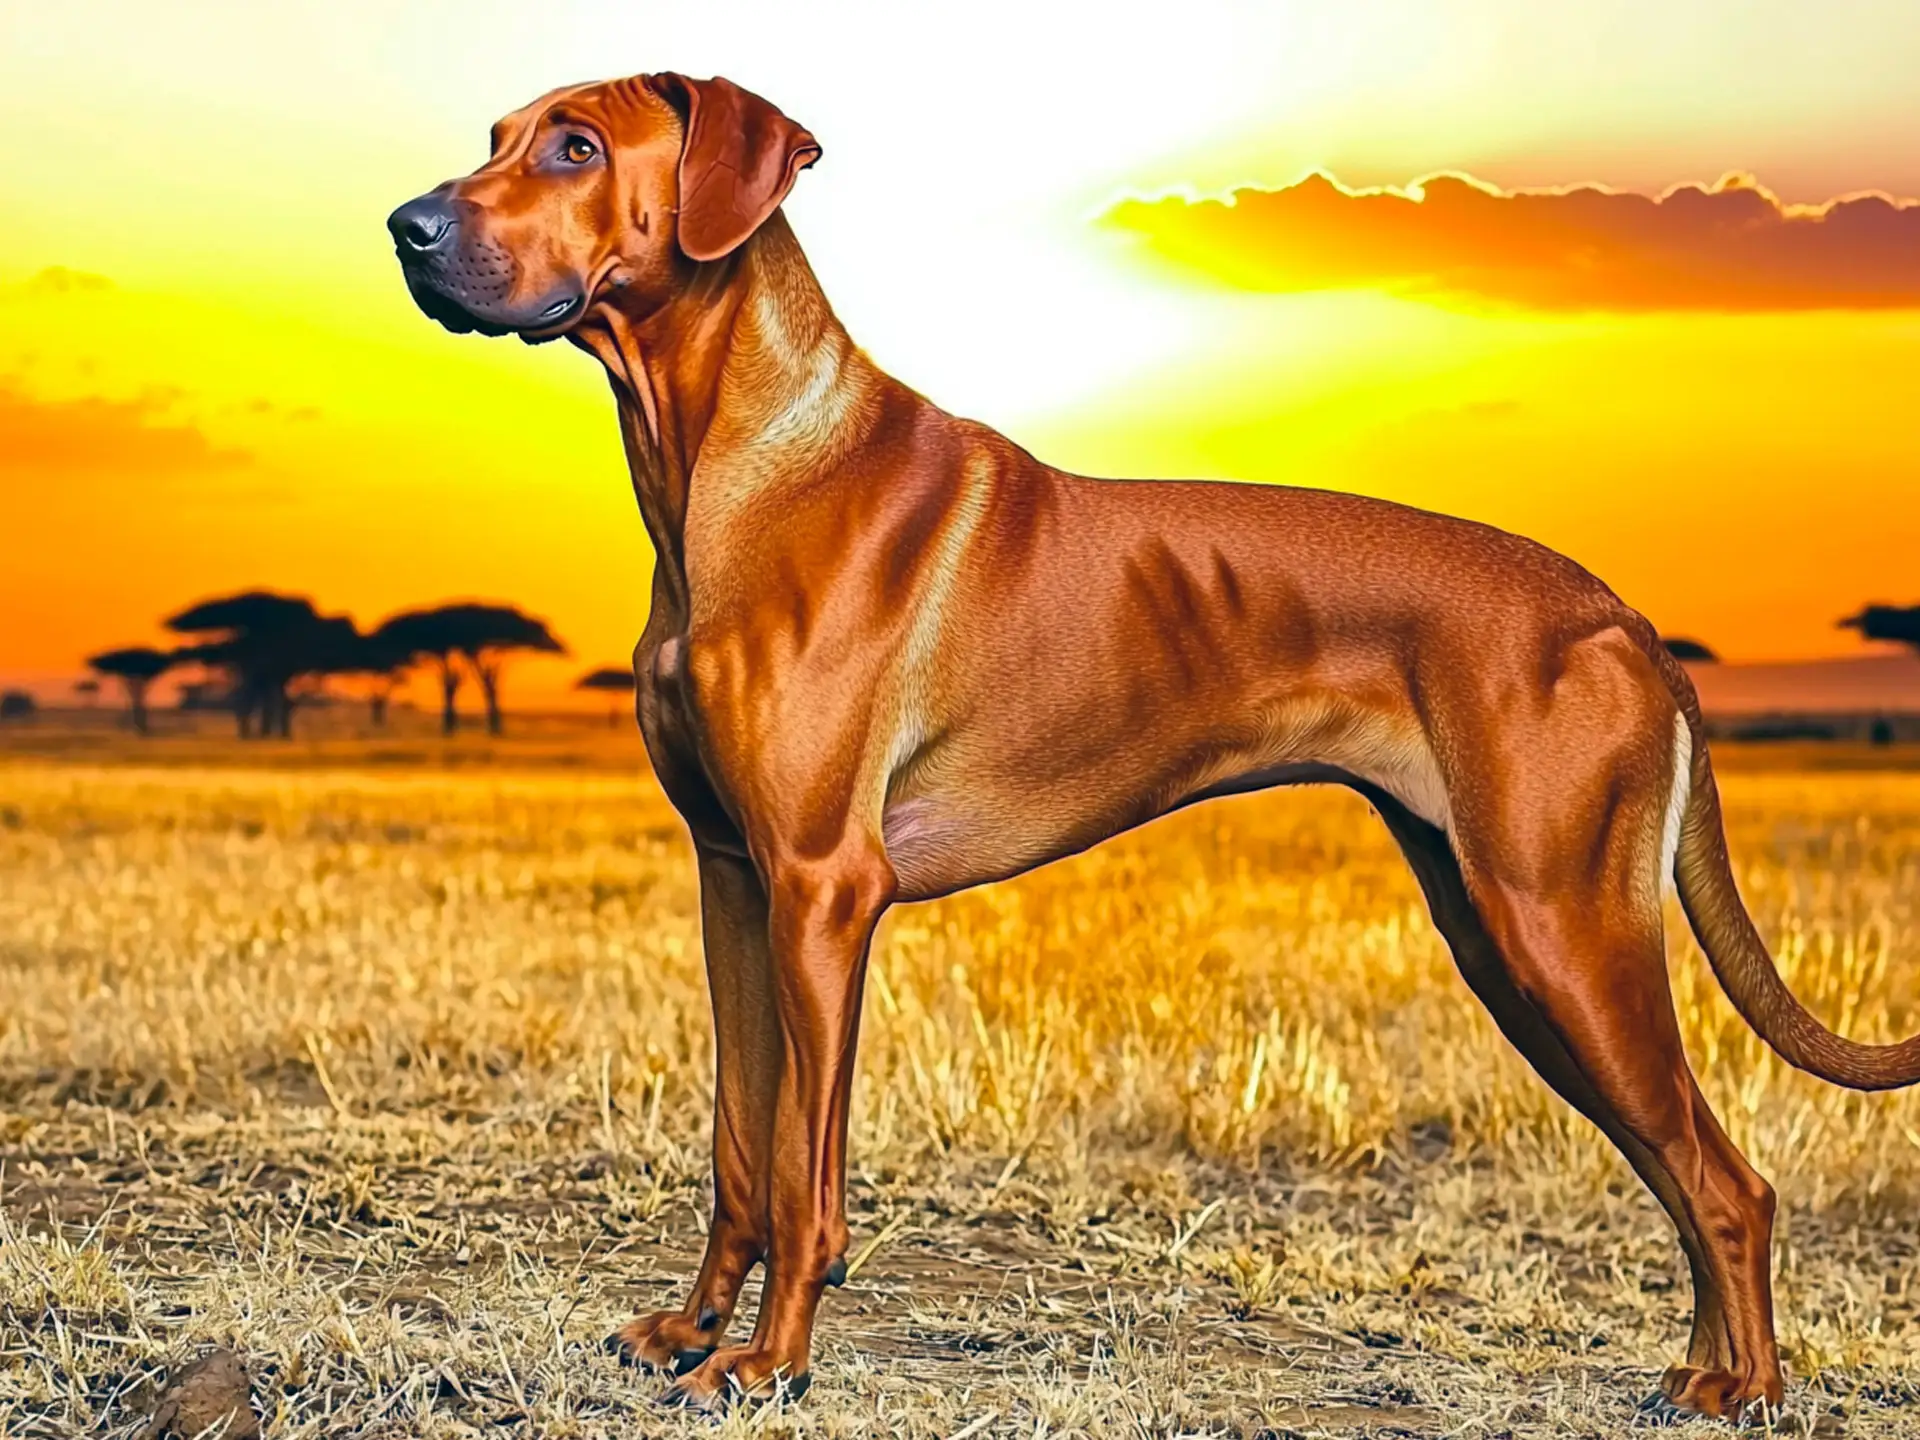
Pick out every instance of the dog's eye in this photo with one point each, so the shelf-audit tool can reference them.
(577, 150)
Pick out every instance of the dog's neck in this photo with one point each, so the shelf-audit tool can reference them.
(748, 355)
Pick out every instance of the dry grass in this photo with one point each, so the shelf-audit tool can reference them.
(393, 1078)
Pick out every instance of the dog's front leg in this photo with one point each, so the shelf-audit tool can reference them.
(823, 914)
(746, 1038)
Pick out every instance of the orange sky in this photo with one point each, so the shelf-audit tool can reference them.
(211, 377)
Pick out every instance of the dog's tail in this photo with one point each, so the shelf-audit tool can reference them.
(1704, 877)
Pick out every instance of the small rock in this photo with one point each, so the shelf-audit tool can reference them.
(1431, 1139)
(213, 1396)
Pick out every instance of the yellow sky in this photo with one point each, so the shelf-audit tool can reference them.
(246, 395)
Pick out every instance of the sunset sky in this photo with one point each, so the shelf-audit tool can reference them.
(1109, 231)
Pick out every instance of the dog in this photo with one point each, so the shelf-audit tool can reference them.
(891, 655)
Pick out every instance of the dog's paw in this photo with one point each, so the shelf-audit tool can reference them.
(739, 1373)
(668, 1342)
(1689, 1391)
(1657, 1412)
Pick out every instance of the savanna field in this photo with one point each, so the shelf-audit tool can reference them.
(384, 1064)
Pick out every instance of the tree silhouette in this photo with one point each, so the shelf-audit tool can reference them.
(384, 662)
(1682, 648)
(420, 635)
(329, 646)
(1887, 622)
(265, 641)
(610, 679)
(489, 634)
(276, 649)
(135, 668)
(485, 636)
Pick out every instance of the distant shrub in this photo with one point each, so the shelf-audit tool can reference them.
(1682, 648)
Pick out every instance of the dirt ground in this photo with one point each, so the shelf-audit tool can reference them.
(388, 1074)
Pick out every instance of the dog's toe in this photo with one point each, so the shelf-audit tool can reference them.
(690, 1358)
(1657, 1412)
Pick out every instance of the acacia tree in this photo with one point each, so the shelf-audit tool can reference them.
(484, 636)
(136, 668)
(1887, 622)
(419, 635)
(1682, 648)
(384, 665)
(490, 635)
(329, 646)
(611, 680)
(264, 642)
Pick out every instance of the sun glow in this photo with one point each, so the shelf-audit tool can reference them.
(211, 376)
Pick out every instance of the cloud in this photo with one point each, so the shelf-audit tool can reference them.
(1731, 246)
(97, 433)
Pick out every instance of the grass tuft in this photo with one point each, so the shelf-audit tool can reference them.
(392, 1076)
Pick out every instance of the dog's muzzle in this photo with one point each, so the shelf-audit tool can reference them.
(463, 279)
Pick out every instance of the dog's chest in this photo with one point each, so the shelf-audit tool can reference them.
(663, 673)
(672, 742)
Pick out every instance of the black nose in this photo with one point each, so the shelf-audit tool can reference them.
(421, 224)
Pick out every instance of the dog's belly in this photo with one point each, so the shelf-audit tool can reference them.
(948, 838)
(938, 844)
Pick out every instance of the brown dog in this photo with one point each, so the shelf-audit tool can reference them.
(892, 655)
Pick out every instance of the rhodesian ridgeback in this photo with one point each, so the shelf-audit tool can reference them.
(892, 655)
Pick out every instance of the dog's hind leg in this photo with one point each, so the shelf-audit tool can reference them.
(1559, 854)
(1606, 998)
(1485, 971)
(746, 1036)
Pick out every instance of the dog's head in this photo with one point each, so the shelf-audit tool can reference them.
(621, 187)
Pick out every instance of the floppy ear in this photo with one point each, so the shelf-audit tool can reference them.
(737, 163)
